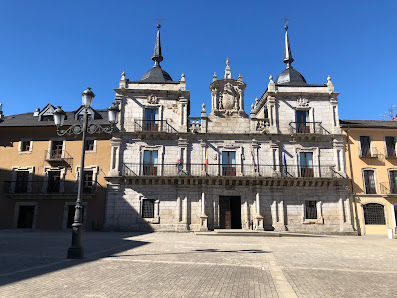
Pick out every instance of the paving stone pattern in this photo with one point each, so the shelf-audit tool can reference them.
(33, 264)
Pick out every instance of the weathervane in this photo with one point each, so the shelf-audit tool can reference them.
(285, 19)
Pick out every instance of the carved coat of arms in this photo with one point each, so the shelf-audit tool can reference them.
(228, 97)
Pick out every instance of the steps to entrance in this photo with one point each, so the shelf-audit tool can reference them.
(251, 233)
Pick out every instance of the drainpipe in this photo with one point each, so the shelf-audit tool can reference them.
(351, 181)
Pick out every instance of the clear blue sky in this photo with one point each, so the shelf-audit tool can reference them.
(51, 51)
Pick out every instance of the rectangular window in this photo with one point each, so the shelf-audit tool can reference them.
(150, 162)
(306, 164)
(56, 149)
(148, 208)
(365, 146)
(390, 147)
(88, 185)
(47, 118)
(80, 117)
(393, 182)
(151, 122)
(89, 145)
(25, 146)
(310, 209)
(228, 163)
(54, 181)
(302, 122)
(369, 182)
(21, 184)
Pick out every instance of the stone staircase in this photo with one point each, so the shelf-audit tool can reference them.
(251, 233)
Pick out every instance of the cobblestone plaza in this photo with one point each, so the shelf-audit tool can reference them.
(158, 264)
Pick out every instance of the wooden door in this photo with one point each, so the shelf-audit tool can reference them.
(225, 214)
(25, 217)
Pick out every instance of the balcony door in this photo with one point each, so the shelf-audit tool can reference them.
(228, 163)
(365, 146)
(150, 163)
(151, 122)
(54, 181)
(306, 164)
(369, 181)
(21, 184)
(393, 182)
(56, 150)
(302, 122)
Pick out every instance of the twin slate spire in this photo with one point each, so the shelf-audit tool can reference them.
(156, 74)
(287, 49)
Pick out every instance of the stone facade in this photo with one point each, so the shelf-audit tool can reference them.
(280, 168)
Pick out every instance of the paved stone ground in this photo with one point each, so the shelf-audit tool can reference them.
(33, 264)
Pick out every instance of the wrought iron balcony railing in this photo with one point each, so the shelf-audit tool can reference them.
(229, 170)
(153, 126)
(307, 128)
(49, 188)
(388, 189)
(368, 152)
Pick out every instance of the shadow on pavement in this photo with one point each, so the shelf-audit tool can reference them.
(27, 254)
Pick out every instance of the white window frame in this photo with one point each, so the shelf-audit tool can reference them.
(30, 146)
(93, 168)
(62, 180)
(375, 181)
(95, 145)
(156, 218)
(14, 171)
(50, 143)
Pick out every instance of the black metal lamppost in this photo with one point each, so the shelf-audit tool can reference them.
(76, 250)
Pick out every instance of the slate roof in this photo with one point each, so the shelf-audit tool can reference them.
(28, 120)
(290, 76)
(368, 123)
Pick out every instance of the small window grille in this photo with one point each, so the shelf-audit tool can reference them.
(311, 209)
(374, 214)
(148, 208)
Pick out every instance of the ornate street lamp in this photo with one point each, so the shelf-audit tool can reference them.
(76, 250)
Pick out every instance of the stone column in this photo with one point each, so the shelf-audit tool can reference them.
(246, 225)
(258, 216)
(272, 114)
(112, 196)
(203, 216)
(115, 157)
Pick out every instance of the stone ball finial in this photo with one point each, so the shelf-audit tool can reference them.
(183, 77)
(227, 61)
(252, 106)
(286, 27)
(329, 78)
(256, 100)
(271, 78)
(158, 26)
(240, 77)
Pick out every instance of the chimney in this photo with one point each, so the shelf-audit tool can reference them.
(1, 111)
(36, 113)
(394, 119)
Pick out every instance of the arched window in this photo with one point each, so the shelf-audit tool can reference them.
(374, 214)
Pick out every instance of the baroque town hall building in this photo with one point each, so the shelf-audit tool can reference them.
(280, 167)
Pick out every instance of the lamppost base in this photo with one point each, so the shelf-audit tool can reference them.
(75, 252)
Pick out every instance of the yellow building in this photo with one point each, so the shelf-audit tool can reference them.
(39, 171)
(371, 162)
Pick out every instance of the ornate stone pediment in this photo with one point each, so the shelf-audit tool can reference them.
(228, 95)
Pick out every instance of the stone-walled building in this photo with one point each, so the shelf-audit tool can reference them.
(280, 167)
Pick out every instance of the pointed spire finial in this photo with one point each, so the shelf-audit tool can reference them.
(287, 49)
(157, 57)
(228, 73)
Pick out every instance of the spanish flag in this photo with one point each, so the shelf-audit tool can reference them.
(206, 159)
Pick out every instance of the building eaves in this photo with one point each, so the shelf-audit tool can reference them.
(368, 124)
(28, 120)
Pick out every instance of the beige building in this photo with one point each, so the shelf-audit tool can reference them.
(279, 167)
(39, 171)
(372, 167)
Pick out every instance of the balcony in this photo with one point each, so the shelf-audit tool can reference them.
(387, 189)
(307, 128)
(369, 152)
(47, 188)
(227, 170)
(58, 157)
(153, 126)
